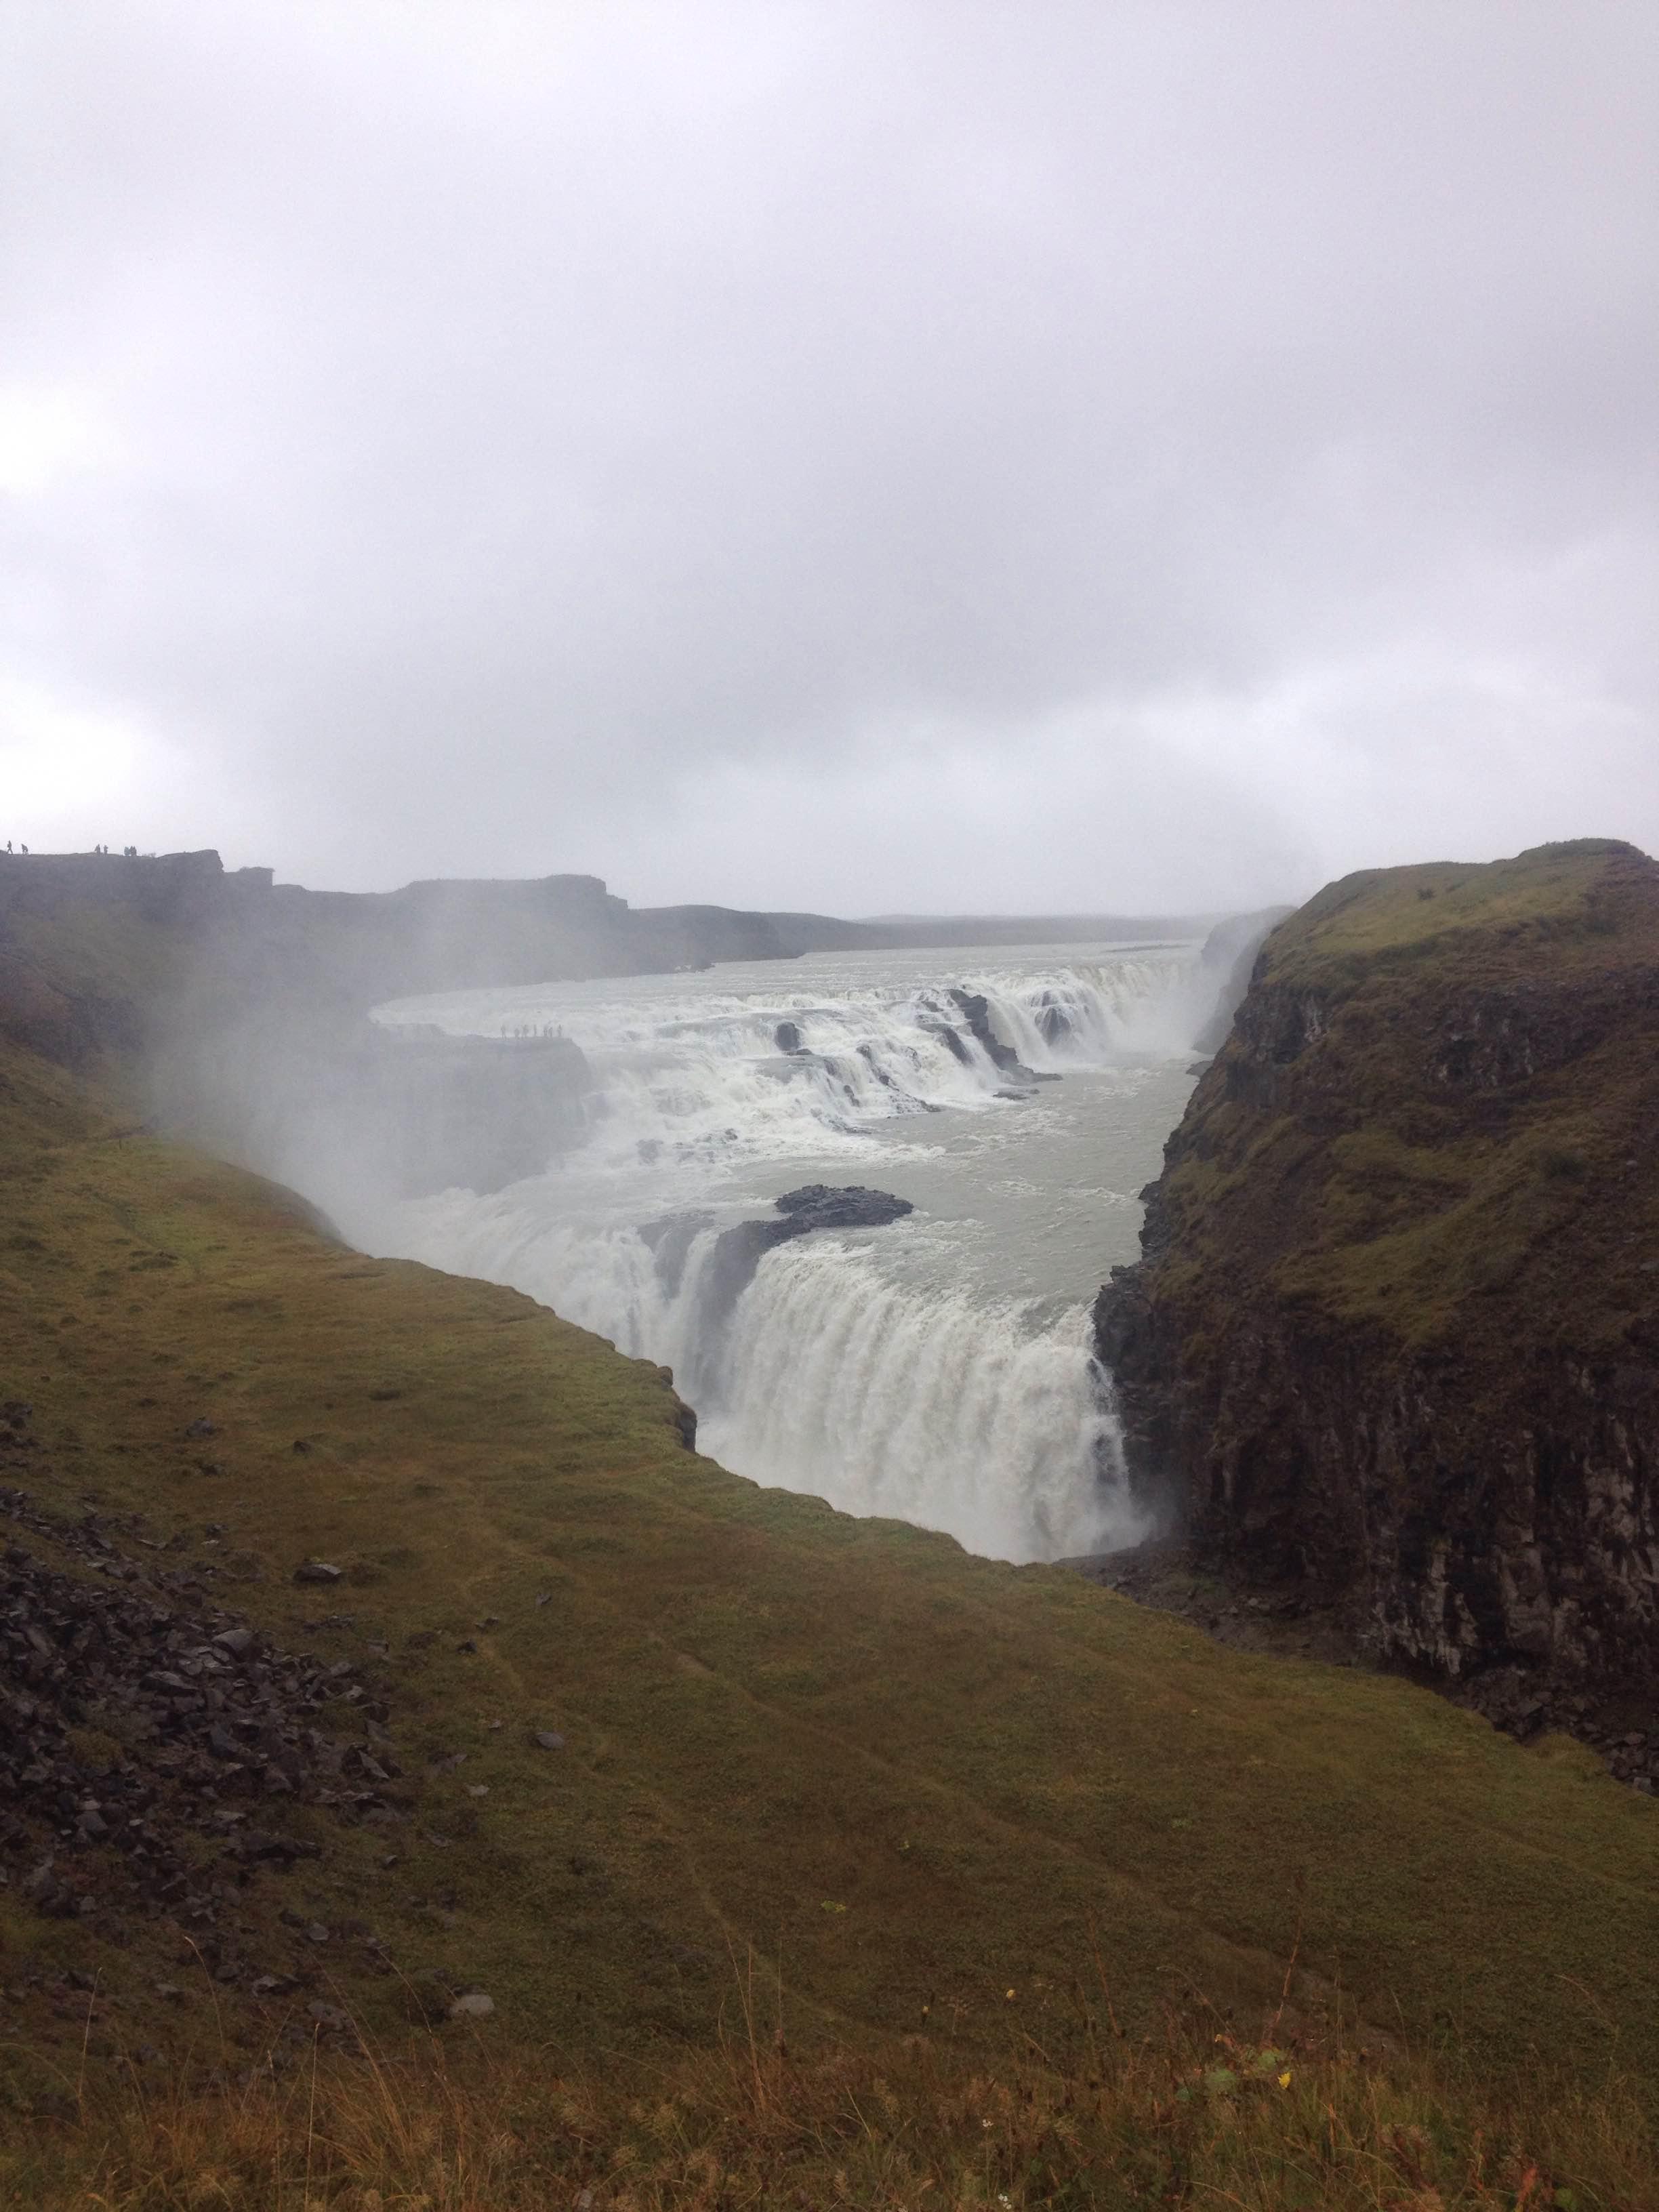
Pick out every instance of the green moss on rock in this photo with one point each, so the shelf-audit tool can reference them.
(1396, 1330)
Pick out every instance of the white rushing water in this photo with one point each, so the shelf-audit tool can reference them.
(939, 1370)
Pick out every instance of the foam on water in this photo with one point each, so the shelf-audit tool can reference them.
(987, 1420)
(888, 1371)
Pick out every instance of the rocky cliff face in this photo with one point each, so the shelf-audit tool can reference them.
(1395, 1336)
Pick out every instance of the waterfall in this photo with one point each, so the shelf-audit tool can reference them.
(889, 1369)
(990, 1422)
(699, 1076)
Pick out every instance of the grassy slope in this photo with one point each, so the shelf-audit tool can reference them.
(1443, 1215)
(771, 1710)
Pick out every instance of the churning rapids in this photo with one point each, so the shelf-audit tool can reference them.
(937, 1370)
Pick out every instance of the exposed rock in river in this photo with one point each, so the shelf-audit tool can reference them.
(1394, 1337)
(975, 1010)
(838, 1205)
(739, 1251)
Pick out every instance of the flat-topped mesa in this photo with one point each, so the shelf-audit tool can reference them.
(1394, 1334)
(245, 1005)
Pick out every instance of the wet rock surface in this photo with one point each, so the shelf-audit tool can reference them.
(975, 1011)
(843, 1205)
(669, 1241)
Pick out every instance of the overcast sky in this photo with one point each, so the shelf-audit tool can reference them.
(951, 455)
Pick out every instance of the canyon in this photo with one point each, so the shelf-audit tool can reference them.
(532, 1720)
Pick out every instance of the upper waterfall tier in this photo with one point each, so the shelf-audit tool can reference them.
(683, 1074)
(938, 1368)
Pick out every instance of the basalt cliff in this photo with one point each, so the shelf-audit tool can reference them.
(1393, 1340)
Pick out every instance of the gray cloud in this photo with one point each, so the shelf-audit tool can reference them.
(902, 455)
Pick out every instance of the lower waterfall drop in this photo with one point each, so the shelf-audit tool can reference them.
(988, 1422)
(939, 1370)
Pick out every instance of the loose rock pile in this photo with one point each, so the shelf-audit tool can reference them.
(153, 1747)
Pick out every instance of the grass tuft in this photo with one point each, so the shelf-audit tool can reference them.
(1183, 2116)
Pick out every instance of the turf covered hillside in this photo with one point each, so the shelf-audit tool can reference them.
(1397, 1327)
(914, 1787)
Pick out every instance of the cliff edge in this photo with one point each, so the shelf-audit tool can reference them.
(1394, 1334)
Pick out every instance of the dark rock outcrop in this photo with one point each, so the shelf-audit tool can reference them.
(1394, 1340)
(739, 1251)
(840, 1205)
(975, 1011)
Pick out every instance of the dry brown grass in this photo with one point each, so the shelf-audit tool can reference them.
(1185, 2117)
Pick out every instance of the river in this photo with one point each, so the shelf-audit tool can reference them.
(937, 1370)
